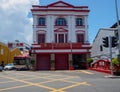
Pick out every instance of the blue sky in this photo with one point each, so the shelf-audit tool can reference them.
(15, 23)
(102, 13)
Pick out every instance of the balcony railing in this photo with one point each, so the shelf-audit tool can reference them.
(60, 46)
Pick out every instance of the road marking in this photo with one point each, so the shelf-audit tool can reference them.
(74, 85)
(29, 84)
(51, 78)
(58, 91)
(69, 81)
(6, 82)
(14, 87)
(77, 71)
(84, 71)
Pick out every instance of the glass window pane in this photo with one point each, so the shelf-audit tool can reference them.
(41, 38)
(79, 21)
(42, 21)
(80, 38)
(60, 22)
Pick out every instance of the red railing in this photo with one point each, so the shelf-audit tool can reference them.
(58, 45)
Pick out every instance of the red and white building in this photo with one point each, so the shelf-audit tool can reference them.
(60, 36)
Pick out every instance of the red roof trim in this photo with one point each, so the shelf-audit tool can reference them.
(60, 30)
(53, 4)
(59, 10)
(59, 6)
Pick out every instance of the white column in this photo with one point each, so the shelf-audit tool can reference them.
(52, 28)
(69, 29)
(48, 31)
(86, 29)
(73, 35)
(34, 28)
(64, 37)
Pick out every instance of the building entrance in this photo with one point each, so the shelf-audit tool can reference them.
(79, 61)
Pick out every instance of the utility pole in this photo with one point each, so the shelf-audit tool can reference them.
(118, 26)
(110, 48)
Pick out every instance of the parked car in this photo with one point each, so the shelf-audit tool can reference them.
(9, 66)
(1, 68)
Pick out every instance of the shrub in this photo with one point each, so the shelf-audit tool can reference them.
(89, 60)
(115, 61)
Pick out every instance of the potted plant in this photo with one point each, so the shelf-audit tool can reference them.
(71, 67)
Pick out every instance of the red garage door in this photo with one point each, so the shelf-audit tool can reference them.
(43, 62)
(61, 62)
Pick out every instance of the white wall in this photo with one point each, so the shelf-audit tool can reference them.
(50, 20)
(95, 50)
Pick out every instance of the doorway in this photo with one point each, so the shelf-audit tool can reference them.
(79, 61)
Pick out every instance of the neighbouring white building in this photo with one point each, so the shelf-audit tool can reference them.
(21, 45)
(60, 36)
(98, 51)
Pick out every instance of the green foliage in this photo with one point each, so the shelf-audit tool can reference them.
(115, 61)
(89, 60)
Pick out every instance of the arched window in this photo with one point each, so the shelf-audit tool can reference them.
(80, 38)
(41, 21)
(79, 21)
(41, 38)
(60, 22)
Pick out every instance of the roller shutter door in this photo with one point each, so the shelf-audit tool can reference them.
(43, 62)
(61, 62)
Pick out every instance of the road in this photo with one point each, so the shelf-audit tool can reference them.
(57, 81)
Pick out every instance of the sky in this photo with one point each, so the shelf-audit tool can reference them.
(16, 18)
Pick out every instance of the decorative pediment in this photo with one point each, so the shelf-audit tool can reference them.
(60, 30)
(60, 4)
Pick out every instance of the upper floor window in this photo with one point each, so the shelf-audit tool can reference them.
(41, 21)
(101, 48)
(41, 38)
(61, 38)
(79, 21)
(60, 22)
(80, 38)
(1, 51)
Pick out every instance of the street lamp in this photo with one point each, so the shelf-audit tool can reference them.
(118, 25)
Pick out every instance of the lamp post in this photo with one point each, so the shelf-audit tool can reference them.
(118, 25)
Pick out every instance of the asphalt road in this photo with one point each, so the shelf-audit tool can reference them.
(57, 81)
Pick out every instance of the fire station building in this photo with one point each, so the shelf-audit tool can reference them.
(60, 36)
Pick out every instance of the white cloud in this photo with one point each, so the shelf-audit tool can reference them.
(14, 23)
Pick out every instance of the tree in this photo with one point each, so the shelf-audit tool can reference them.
(116, 66)
(115, 61)
(89, 60)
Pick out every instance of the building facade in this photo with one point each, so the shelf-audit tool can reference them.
(22, 46)
(60, 36)
(98, 51)
(100, 54)
(7, 55)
